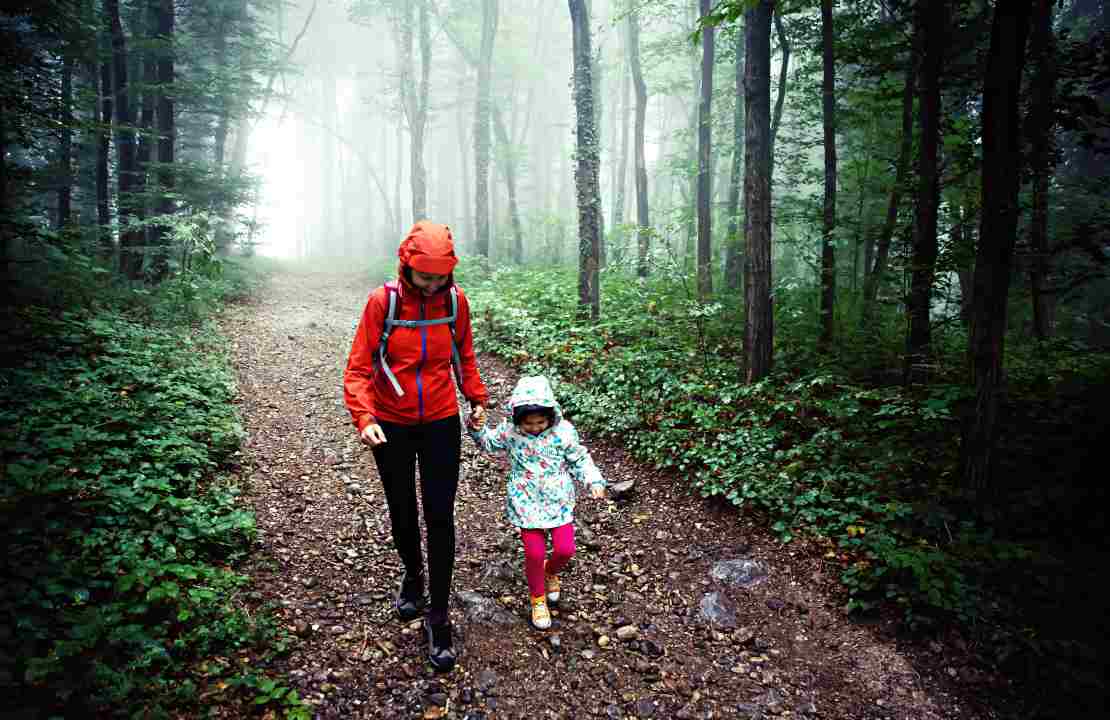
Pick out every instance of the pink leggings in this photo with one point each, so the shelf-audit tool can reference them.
(535, 551)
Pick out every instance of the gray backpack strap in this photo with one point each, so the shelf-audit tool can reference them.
(387, 330)
(456, 361)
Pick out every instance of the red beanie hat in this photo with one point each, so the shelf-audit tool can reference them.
(428, 248)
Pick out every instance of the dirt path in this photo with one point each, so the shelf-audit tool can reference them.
(646, 629)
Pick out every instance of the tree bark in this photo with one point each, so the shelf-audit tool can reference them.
(414, 98)
(65, 146)
(1040, 132)
(620, 173)
(705, 161)
(103, 147)
(166, 132)
(932, 17)
(780, 101)
(874, 274)
(734, 255)
(998, 226)
(828, 256)
(759, 320)
(586, 172)
(131, 259)
(643, 221)
(482, 128)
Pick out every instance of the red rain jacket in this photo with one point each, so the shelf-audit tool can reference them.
(420, 358)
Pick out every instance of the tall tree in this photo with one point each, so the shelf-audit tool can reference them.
(828, 256)
(705, 160)
(166, 130)
(1039, 130)
(734, 272)
(997, 230)
(932, 19)
(131, 259)
(103, 149)
(643, 218)
(784, 69)
(482, 128)
(759, 330)
(586, 173)
(65, 151)
(414, 97)
(874, 274)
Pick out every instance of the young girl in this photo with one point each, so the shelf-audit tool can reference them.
(545, 455)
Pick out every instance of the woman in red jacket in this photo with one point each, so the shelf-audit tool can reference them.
(413, 336)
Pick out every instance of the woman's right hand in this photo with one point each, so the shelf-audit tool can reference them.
(372, 435)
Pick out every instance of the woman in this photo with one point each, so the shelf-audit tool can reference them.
(413, 336)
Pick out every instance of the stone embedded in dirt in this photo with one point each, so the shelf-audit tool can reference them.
(556, 642)
(743, 636)
(308, 582)
(481, 609)
(499, 571)
(651, 648)
(438, 698)
(775, 604)
(645, 708)
(716, 609)
(621, 490)
(742, 572)
(627, 632)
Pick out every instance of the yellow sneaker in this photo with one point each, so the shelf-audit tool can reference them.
(541, 616)
(551, 584)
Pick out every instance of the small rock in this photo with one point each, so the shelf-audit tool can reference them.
(556, 642)
(775, 604)
(308, 582)
(741, 572)
(588, 654)
(717, 609)
(627, 632)
(651, 648)
(438, 698)
(486, 680)
(645, 708)
(621, 490)
(603, 641)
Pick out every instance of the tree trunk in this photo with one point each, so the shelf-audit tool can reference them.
(65, 150)
(905, 153)
(464, 165)
(414, 99)
(780, 101)
(482, 128)
(759, 321)
(103, 147)
(643, 222)
(131, 259)
(932, 18)
(998, 226)
(1040, 132)
(705, 161)
(586, 173)
(166, 133)
(620, 174)
(828, 257)
(734, 272)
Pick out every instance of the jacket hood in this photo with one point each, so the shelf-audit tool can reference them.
(429, 247)
(533, 390)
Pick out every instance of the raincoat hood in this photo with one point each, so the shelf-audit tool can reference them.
(429, 248)
(534, 390)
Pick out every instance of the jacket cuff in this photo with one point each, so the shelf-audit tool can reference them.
(364, 420)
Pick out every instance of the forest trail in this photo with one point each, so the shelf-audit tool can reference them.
(655, 623)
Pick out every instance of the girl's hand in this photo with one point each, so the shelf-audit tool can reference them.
(372, 435)
(477, 416)
(597, 491)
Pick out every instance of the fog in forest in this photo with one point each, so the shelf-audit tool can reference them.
(334, 148)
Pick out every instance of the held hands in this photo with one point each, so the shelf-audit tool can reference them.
(477, 416)
(597, 491)
(372, 435)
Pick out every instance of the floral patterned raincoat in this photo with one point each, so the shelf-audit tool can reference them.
(543, 468)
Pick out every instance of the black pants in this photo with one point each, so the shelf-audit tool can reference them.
(438, 447)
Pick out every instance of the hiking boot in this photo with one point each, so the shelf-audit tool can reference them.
(441, 654)
(541, 616)
(551, 584)
(411, 600)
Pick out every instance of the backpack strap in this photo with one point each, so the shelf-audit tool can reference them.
(387, 330)
(456, 361)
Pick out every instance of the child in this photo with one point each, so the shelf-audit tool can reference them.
(545, 454)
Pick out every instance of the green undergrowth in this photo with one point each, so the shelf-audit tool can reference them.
(865, 471)
(119, 515)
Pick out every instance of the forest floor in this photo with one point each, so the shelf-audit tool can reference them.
(646, 628)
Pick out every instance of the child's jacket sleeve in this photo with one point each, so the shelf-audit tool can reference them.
(579, 462)
(492, 440)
